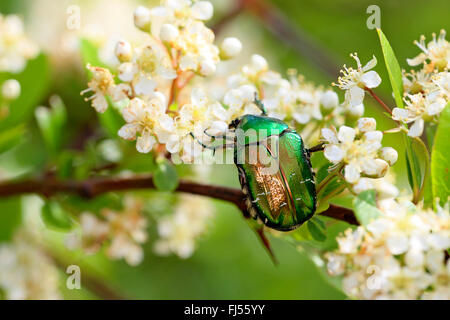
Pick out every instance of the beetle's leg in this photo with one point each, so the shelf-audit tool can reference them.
(213, 148)
(223, 137)
(259, 230)
(319, 147)
(260, 233)
(260, 105)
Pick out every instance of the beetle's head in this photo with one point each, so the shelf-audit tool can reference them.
(234, 123)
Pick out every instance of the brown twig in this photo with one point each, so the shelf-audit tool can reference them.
(93, 187)
(91, 283)
(292, 36)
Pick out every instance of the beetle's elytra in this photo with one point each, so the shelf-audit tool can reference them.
(283, 198)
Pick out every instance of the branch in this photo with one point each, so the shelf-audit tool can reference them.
(93, 187)
(89, 282)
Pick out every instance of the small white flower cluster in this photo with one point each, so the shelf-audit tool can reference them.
(122, 232)
(15, 48)
(401, 255)
(179, 24)
(26, 273)
(153, 74)
(180, 231)
(427, 91)
(292, 100)
(359, 152)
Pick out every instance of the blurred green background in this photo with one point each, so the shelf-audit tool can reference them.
(229, 262)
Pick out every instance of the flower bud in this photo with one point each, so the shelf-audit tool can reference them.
(207, 68)
(356, 112)
(11, 89)
(142, 17)
(168, 33)
(381, 168)
(367, 124)
(230, 47)
(259, 63)
(124, 52)
(329, 100)
(389, 154)
(202, 10)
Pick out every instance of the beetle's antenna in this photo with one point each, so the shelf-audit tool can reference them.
(260, 105)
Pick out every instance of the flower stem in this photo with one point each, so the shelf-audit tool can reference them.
(327, 179)
(382, 104)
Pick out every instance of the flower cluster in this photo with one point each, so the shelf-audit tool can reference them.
(427, 91)
(400, 255)
(26, 273)
(359, 152)
(152, 75)
(15, 48)
(178, 232)
(122, 232)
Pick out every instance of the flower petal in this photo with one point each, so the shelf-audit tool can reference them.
(333, 153)
(354, 96)
(352, 174)
(416, 129)
(371, 79)
(346, 134)
(145, 142)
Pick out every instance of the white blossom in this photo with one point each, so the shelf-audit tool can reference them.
(358, 150)
(354, 81)
(147, 122)
(434, 55)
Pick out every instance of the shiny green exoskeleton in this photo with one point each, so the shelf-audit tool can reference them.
(275, 172)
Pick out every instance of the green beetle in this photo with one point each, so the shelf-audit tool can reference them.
(283, 194)
(276, 175)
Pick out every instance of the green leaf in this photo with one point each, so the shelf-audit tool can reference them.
(393, 68)
(315, 231)
(89, 53)
(440, 160)
(10, 217)
(51, 122)
(165, 176)
(34, 83)
(412, 166)
(9, 138)
(365, 207)
(55, 217)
